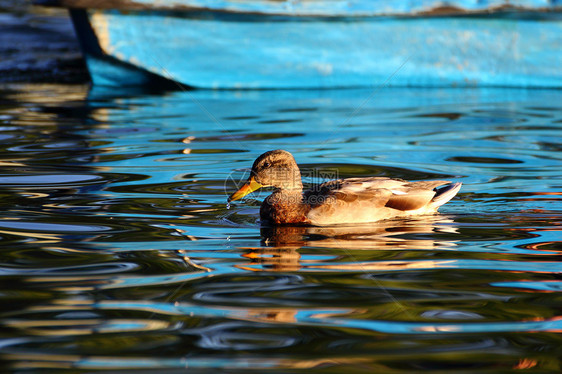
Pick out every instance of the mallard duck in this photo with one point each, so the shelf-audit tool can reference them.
(341, 201)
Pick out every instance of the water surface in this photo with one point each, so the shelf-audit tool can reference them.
(119, 252)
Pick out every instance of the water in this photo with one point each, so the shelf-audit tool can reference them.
(119, 251)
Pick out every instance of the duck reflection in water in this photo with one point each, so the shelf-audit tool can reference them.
(281, 244)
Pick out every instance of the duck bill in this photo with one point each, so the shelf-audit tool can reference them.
(250, 186)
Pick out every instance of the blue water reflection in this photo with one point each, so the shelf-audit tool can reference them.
(119, 251)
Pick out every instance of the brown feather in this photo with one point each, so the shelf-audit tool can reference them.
(412, 201)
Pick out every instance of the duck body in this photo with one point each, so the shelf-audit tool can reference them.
(342, 201)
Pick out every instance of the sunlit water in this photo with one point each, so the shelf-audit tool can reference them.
(119, 252)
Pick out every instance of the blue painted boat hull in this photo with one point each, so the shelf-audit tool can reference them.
(213, 49)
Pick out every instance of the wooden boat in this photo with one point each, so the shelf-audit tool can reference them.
(320, 43)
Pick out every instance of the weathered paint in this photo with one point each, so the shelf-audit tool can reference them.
(105, 69)
(222, 50)
(322, 8)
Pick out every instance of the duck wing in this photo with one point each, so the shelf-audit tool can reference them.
(414, 195)
(380, 192)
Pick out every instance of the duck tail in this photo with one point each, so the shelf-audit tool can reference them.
(444, 194)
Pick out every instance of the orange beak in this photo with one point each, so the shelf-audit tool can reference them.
(250, 186)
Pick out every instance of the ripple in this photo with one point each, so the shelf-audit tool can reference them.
(119, 252)
(233, 136)
(553, 324)
(348, 170)
(48, 180)
(83, 326)
(91, 269)
(232, 336)
(451, 315)
(483, 160)
(544, 286)
(51, 227)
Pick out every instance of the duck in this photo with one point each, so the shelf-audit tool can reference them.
(340, 201)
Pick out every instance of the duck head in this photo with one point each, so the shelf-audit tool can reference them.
(272, 169)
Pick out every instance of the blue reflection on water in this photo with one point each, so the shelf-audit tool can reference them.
(115, 207)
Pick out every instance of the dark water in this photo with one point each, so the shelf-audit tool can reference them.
(119, 253)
